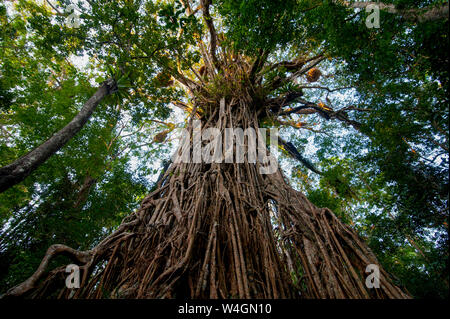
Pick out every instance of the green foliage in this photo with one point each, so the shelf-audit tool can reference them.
(84, 191)
(255, 25)
(389, 181)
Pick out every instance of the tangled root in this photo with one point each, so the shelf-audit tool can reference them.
(221, 231)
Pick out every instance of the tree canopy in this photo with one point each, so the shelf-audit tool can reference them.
(364, 131)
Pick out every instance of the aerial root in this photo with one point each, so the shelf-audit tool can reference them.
(53, 251)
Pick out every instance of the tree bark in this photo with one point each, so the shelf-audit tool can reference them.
(20, 169)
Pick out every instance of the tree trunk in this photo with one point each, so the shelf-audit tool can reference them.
(17, 171)
(223, 231)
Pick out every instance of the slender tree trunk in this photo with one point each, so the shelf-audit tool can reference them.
(221, 231)
(17, 171)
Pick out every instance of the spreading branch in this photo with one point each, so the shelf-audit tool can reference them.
(298, 69)
(293, 152)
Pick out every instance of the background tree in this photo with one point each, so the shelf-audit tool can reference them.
(377, 117)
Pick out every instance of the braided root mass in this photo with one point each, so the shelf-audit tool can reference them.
(220, 231)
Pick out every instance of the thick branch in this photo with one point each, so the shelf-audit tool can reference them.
(258, 64)
(342, 116)
(292, 151)
(16, 172)
(278, 103)
(311, 108)
(83, 193)
(297, 70)
(324, 113)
